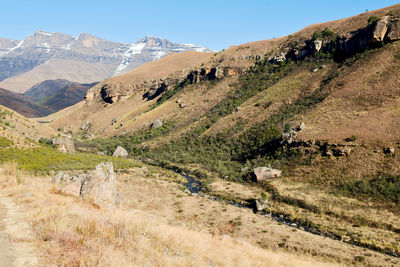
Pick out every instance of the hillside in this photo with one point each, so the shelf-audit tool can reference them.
(58, 94)
(321, 105)
(83, 59)
(22, 104)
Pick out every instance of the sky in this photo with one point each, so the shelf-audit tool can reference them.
(215, 24)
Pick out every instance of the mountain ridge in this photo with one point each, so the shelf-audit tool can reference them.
(22, 61)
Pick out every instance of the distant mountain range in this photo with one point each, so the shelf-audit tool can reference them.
(83, 59)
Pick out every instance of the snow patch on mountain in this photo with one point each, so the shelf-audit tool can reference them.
(71, 44)
(134, 49)
(8, 51)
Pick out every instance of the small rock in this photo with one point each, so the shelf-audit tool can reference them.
(301, 127)
(120, 152)
(261, 205)
(156, 124)
(388, 150)
(85, 125)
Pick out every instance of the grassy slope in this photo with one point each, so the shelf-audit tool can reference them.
(357, 97)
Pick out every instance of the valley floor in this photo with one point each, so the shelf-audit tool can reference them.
(159, 224)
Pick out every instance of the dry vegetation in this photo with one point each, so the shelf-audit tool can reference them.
(70, 232)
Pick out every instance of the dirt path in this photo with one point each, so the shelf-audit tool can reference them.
(5, 246)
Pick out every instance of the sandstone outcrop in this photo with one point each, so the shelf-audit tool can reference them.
(64, 144)
(265, 173)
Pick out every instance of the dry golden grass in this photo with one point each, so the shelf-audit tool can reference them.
(68, 231)
(8, 174)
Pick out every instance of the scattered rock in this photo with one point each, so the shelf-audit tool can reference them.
(301, 127)
(114, 121)
(100, 185)
(156, 124)
(85, 126)
(64, 144)
(389, 150)
(260, 204)
(120, 152)
(265, 173)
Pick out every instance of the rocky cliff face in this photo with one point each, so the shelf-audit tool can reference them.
(150, 89)
(19, 57)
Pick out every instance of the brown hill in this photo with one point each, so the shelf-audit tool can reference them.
(132, 94)
(24, 105)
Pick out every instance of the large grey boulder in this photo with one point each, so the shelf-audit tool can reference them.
(265, 173)
(156, 124)
(120, 152)
(100, 186)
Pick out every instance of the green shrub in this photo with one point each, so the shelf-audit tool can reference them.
(383, 186)
(372, 19)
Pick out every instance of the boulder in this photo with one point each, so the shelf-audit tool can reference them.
(64, 144)
(156, 124)
(120, 152)
(265, 173)
(73, 186)
(182, 105)
(317, 45)
(60, 178)
(100, 186)
(393, 33)
(380, 30)
(260, 205)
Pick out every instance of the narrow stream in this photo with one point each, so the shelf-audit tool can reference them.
(194, 187)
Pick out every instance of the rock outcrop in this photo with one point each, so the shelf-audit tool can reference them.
(264, 173)
(394, 31)
(120, 152)
(64, 144)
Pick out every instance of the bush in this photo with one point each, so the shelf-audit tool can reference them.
(384, 187)
(372, 19)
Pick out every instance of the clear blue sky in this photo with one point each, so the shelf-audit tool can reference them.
(217, 24)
